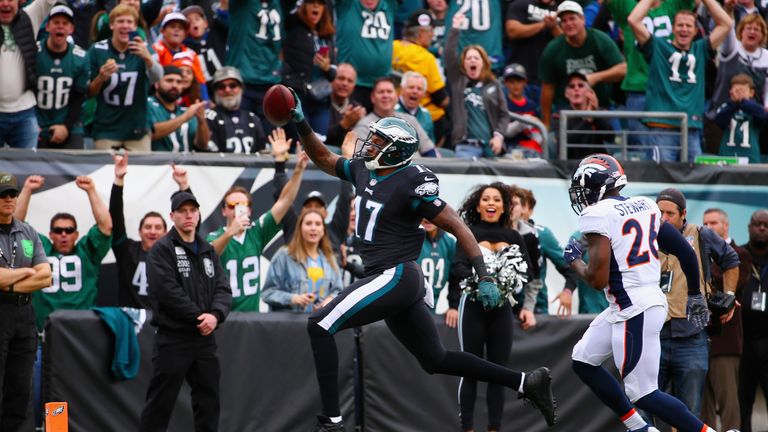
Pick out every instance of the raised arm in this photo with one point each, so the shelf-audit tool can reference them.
(635, 21)
(116, 211)
(723, 23)
(288, 195)
(31, 184)
(99, 209)
(315, 149)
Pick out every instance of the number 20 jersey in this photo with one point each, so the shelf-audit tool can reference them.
(389, 210)
(632, 226)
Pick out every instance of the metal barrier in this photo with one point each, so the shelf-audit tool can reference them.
(533, 121)
(623, 146)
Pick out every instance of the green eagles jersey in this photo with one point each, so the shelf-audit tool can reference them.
(241, 261)
(255, 39)
(550, 250)
(591, 301)
(482, 26)
(121, 105)
(57, 75)
(676, 79)
(478, 126)
(365, 37)
(181, 139)
(559, 59)
(75, 276)
(435, 260)
(658, 22)
(742, 138)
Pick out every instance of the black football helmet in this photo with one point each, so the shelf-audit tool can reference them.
(596, 174)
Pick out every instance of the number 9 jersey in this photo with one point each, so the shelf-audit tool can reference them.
(389, 210)
(632, 226)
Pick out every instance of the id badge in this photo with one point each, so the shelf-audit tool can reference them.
(758, 301)
(665, 282)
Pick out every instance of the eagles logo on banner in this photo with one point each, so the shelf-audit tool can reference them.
(208, 264)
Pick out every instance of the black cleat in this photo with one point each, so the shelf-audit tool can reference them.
(537, 390)
(324, 424)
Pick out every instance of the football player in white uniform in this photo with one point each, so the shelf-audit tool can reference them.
(624, 235)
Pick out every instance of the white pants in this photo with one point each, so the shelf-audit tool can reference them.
(634, 345)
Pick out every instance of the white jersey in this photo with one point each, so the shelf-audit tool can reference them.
(632, 226)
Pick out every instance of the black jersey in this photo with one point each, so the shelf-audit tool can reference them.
(234, 131)
(211, 48)
(130, 257)
(389, 210)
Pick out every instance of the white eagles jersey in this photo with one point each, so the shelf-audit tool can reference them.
(632, 226)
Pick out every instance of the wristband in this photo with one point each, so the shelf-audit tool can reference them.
(304, 128)
(478, 263)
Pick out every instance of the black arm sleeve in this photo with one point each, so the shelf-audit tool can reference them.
(439, 96)
(76, 98)
(340, 221)
(672, 242)
(118, 218)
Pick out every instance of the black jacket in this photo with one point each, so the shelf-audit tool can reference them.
(183, 284)
(24, 35)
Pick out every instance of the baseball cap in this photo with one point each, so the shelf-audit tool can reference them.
(673, 195)
(515, 70)
(225, 73)
(173, 16)
(570, 6)
(420, 18)
(189, 10)
(171, 69)
(314, 195)
(182, 197)
(8, 182)
(61, 9)
(581, 73)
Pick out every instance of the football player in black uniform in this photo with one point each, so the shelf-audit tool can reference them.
(233, 129)
(393, 196)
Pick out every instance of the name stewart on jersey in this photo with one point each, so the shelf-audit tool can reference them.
(632, 207)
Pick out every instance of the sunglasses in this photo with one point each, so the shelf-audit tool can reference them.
(230, 86)
(62, 230)
(232, 205)
(9, 194)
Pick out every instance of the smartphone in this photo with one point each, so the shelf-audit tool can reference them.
(323, 51)
(241, 211)
(133, 35)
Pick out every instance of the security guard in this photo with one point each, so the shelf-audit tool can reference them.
(190, 297)
(23, 269)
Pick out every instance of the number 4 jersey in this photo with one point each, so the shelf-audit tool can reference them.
(121, 105)
(389, 210)
(632, 226)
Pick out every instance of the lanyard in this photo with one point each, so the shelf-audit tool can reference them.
(13, 256)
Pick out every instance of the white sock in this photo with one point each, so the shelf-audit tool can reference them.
(633, 421)
(335, 419)
(522, 380)
(709, 429)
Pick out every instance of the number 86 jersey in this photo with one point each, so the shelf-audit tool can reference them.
(632, 226)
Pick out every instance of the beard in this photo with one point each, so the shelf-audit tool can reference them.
(170, 96)
(229, 103)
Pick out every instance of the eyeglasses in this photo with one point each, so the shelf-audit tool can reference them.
(230, 86)
(62, 230)
(232, 205)
(9, 194)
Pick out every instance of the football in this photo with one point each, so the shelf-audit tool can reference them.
(278, 103)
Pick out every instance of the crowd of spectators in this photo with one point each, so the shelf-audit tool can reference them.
(478, 78)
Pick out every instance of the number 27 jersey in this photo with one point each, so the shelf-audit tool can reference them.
(632, 226)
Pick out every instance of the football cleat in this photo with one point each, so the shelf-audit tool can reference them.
(324, 424)
(537, 390)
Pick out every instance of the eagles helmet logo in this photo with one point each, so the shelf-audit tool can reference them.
(429, 188)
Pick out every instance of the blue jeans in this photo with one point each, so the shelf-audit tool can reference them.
(666, 148)
(466, 151)
(636, 102)
(683, 369)
(19, 129)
